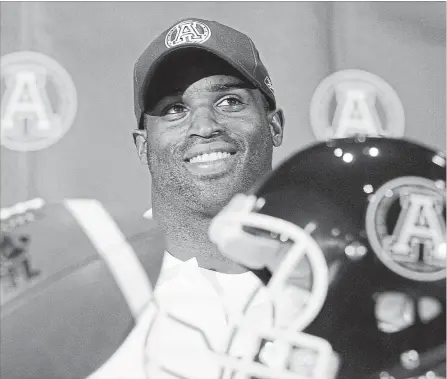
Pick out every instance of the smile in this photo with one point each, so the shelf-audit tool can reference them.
(210, 157)
(211, 165)
(213, 159)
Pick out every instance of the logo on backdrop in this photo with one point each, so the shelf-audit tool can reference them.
(189, 31)
(38, 103)
(353, 102)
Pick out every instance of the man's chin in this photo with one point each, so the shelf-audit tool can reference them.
(211, 206)
(213, 195)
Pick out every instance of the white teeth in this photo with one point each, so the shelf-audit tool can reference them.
(214, 156)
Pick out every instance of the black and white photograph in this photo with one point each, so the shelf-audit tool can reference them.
(223, 190)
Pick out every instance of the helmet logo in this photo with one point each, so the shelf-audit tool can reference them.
(364, 104)
(187, 32)
(39, 101)
(405, 223)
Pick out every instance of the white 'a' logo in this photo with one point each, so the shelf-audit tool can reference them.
(356, 111)
(357, 95)
(187, 32)
(419, 230)
(405, 224)
(38, 102)
(26, 98)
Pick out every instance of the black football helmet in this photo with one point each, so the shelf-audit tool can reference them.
(357, 226)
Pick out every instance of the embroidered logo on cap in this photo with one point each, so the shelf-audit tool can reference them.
(189, 31)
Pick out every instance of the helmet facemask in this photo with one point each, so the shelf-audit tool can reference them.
(295, 291)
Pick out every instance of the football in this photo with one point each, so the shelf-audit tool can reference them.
(75, 276)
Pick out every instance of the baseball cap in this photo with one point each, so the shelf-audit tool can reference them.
(232, 46)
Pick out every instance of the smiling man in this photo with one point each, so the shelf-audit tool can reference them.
(208, 123)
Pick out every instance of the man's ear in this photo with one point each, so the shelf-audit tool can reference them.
(140, 140)
(276, 124)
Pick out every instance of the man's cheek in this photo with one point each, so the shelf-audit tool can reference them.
(157, 160)
(165, 163)
(258, 140)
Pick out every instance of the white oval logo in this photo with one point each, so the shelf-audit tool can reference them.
(189, 31)
(38, 103)
(405, 223)
(353, 102)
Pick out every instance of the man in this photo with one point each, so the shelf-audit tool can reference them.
(207, 124)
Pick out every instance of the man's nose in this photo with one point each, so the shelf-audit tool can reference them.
(204, 123)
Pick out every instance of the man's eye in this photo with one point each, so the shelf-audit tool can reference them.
(175, 109)
(229, 102)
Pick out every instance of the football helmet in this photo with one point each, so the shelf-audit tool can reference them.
(348, 237)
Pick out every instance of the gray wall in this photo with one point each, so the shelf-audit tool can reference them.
(300, 43)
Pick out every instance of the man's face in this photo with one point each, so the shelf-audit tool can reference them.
(209, 135)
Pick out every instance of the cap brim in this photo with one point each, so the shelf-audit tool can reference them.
(156, 65)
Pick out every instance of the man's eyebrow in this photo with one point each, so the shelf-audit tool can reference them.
(229, 86)
(217, 87)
